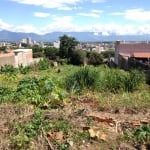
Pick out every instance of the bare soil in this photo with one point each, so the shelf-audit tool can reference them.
(86, 115)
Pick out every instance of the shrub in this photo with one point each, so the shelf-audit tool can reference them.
(115, 80)
(43, 64)
(107, 54)
(34, 91)
(84, 78)
(37, 51)
(6, 94)
(27, 91)
(94, 58)
(24, 133)
(142, 134)
(78, 57)
(135, 79)
(51, 52)
(8, 69)
(24, 70)
(111, 80)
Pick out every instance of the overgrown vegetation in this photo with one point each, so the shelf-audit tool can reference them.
(60, 98)
(84, 78)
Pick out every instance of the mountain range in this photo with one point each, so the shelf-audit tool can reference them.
(80, 36)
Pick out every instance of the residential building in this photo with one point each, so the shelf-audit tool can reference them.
(137, 52)
(16, 57)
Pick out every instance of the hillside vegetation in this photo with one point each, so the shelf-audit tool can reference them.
(69, 107)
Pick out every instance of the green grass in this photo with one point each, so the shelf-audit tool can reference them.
(53, 87)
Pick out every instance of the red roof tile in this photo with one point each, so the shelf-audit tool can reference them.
(134, 48)
(141, 55)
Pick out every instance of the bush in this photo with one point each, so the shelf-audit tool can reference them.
(51, 52)
(24, 70)
(135, 79)
(33, 90)
(84, 78)
(142, 134)
(37, 51)
(8, 69)
(6, 94)
(78, 57)
(107, 54)
(115, 80)
(94, 58)
(43, 64)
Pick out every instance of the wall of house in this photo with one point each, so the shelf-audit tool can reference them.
(123, 62)
(7, 59)
(17, 57)
(23, 58)
(117, 52)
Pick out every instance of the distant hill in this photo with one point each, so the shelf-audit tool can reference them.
(80, 36)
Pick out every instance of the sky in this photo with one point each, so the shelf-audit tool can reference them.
(121, 17)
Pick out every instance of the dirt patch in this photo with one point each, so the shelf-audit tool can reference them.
(10, 113)
(98, 127)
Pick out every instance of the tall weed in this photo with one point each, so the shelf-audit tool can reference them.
(85, 78)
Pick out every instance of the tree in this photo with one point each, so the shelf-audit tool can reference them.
(78, 57)
(37, 51)
(67, 45)
(51, 52)
(2, 49)
(94, 58)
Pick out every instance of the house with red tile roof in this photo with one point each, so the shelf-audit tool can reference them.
(137, 52)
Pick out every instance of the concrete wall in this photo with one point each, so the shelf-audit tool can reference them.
(7, 59)
(18, 57)
(23, 57)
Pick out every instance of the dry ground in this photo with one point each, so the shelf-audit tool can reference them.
(104, 126)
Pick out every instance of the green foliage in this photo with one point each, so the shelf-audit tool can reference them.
(94, 58)
(34, 91)
(24, 70)
(115, 80)
(51, 52)
(43, 64)
(37, 51)
(6, 94)
(78, 57)
(46, 86)
(67, 45)
(142, 134)
(2, 49)
(135, 79)
(8, 69)
(107, 54)
(60, 125)
(24, 133)
(27, 91)
(85, 78)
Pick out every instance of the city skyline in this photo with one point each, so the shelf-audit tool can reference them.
(131, 17)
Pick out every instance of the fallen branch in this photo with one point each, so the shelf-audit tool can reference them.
(50, 145)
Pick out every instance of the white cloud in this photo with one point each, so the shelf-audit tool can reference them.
(93, 13)
(25, 28)
(58, 4)
(135, 14)
(41, 14)
(60, 24)
(19, 28)
(98, 1)
(4, 25)
(65, 24)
